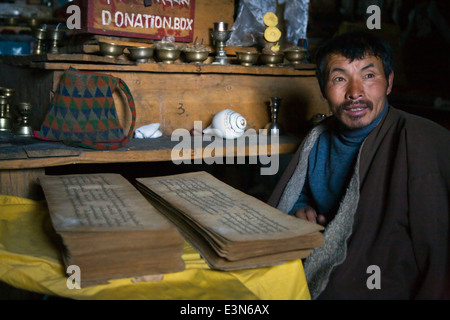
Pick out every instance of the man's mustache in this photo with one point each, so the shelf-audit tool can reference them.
(358, 103)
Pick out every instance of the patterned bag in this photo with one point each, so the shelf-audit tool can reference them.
(82, 112)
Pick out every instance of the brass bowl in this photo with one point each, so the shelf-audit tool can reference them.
(3, 100)
(111, 50)
(55, 34)
(272, 59)
(140, 54)
(8, 92)
(247, 58)
(168, 54)
(11, 20)
(39, 33)
(196, 56)
(295, 56)
(33, 22)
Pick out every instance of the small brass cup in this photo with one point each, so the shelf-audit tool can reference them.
(247, 58)
(295, 55)
(140, 54)
(272, 60)
(111, 50)
(168, 54)
(196, 56)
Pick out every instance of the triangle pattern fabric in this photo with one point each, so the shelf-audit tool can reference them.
(82, 111)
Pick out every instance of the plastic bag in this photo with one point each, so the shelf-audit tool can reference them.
(248, 28)
(296, 16)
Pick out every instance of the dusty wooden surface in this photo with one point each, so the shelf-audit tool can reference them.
(32, 153)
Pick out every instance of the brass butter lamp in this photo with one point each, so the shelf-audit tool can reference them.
(274, 128)
(24, 128)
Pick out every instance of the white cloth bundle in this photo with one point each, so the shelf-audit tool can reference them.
(148, 131)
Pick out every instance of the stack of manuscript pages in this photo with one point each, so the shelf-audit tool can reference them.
(109, 230)
(229, 228)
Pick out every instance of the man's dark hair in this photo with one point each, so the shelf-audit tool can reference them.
(354, 46)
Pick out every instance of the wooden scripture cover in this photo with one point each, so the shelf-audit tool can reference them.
(109, 229)
(231, 229)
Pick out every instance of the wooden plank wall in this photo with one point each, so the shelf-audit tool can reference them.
(209, 11)
(176, 100)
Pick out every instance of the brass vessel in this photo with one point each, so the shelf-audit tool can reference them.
(6, 119)
(140, 54)
(55, 36)
(220, 35)
(295, 55)
(24, 128)
(5, 122)
(111, 50)
(196, 56)
(40, 34)
(168, 54)
(272, 59)
(247, 58)
(274, 128)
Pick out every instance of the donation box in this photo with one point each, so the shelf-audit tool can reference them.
(150, 19)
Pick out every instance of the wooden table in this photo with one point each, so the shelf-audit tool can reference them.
(29, 260)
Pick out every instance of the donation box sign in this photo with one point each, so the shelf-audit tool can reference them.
(151, 19)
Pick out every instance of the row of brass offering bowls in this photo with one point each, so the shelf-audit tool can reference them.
(170, 52)
(16, 20)
(166, 53)
(294, 55)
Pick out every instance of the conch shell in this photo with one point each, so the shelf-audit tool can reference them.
(227, 124)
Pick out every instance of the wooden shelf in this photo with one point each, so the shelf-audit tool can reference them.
(28, 153)
(173, 95)
(176, 95)
(96, 62)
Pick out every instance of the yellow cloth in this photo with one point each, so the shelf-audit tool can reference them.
(29, 260)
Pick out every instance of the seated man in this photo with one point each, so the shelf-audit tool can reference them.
(377, 178)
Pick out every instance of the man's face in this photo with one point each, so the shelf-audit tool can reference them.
(356, 91)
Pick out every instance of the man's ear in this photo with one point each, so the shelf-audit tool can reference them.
(390, 83)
